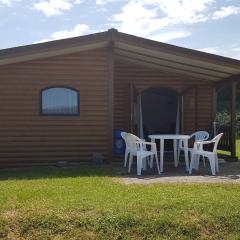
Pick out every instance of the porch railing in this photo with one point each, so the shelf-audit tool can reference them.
(225, 142)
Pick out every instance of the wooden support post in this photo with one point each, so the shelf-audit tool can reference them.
(214, 106)
(131, 111)
(196, 107)
(182, 114)
(214, 110)
(110, 125)
(233, 119)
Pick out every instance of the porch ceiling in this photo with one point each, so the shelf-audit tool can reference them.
(201, 69)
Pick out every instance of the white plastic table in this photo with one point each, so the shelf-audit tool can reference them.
(175, 138)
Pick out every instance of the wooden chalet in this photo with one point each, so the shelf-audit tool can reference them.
(102, 75)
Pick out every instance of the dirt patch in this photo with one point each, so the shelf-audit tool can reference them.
(229, 173)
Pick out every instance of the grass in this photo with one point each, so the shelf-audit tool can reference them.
(89, 203)
(237, 149)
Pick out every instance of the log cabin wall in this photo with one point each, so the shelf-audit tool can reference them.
(197, 103)
(27, 137)
(205, 107)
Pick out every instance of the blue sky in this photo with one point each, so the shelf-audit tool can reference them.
(207, 25)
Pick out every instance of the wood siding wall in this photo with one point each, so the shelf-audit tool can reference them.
(205, 107)
(197, 103)
(26, 137)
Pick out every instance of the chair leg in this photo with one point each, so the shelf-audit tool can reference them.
(212, 164)
(192, 163)
(130, 163)
(185, 145)
(179, 145)
(190, 154)
(139, 165)
(204, 162)
(217, 163)
(151, 162)
(178, 154)
(175, 153)
(144, 164)
(148, 161)
(126, 158)
(151, 157)
(156, 158)
(197, 162)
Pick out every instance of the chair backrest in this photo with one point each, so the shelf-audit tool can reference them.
(124, 135)
(134, 143)
(216, 140)
(200, 135)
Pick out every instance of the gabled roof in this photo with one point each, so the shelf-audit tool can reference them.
(53, 48)
(188, 62)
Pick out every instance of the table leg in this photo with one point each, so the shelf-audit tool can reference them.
(144, 164)
(175, 152)
(161, 154)
(151, 158)
(185, 144)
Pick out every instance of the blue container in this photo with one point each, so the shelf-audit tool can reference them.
(118, 143)
(117, 133)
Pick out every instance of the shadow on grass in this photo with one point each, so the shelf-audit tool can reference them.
(228, 171)
(57, 172)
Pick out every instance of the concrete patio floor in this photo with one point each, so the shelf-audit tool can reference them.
(229, 173)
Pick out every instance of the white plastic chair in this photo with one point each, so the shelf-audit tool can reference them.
(211, 155)
(198, 136)
(127, 149)
(138, 148)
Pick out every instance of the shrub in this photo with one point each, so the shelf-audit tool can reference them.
(224, 118)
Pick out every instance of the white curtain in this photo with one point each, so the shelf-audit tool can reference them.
(59, 101)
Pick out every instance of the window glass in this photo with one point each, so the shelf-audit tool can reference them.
(60, 101)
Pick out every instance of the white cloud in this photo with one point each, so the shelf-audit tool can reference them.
(225, 12)
(136, 19)
(147, 17)
(227, 51)
(169, 36)
(103, 2)
(43, 40)
(184, 11)
(236, 52)
(144, 17)
(235, 55)
(237, 49)
(55, 7)
(5, 2)
(78, 30)
(212, 50)
(8, 2)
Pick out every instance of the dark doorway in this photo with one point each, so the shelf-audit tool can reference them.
(160, 111)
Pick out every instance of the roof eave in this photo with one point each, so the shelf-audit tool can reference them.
(54, 48)
(198, 64)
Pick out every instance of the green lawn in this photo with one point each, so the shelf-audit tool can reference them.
(237, 149)
(90, 203)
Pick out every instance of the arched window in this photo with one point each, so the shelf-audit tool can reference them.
(59, 101)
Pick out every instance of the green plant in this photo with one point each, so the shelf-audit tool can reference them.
(90, 203)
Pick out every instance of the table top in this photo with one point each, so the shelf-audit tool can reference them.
(169, 136)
